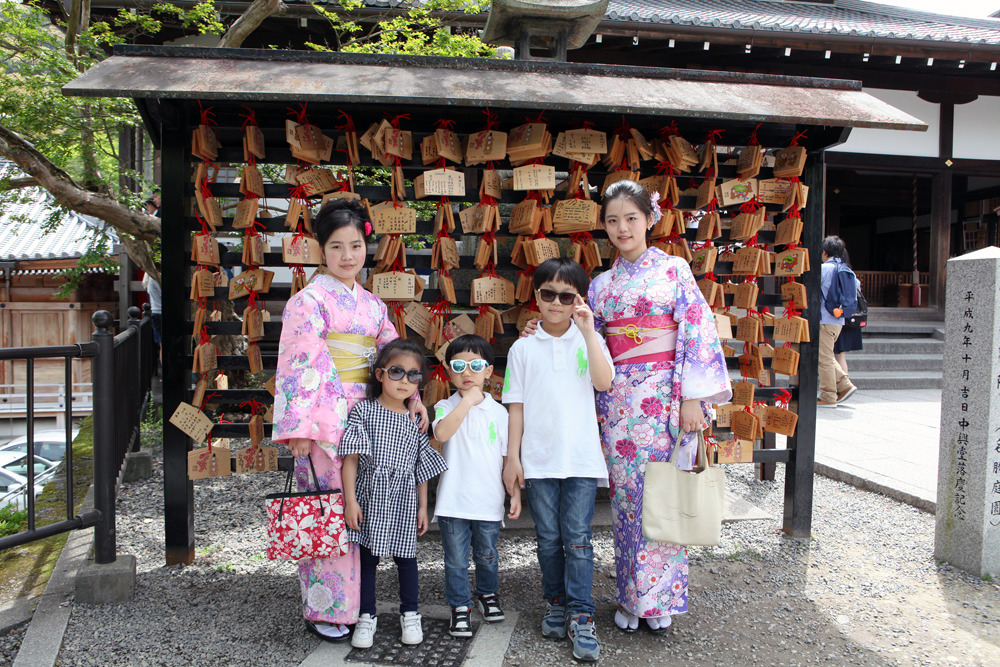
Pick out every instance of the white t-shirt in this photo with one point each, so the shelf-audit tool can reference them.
(550, 375)
(472, 487)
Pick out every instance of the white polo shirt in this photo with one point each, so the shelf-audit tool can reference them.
(472, 487)
(551, 376)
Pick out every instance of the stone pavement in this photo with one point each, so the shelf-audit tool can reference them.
(884, 441)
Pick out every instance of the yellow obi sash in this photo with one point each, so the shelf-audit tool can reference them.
(352, 354)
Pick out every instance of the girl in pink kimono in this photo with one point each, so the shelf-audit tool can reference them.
(669, 368)
(330, 332)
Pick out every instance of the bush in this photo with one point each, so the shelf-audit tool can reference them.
(11, 519)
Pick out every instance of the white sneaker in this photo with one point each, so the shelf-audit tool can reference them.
(364, 631)
(413, 632)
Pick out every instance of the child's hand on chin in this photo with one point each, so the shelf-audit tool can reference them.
(473, 393)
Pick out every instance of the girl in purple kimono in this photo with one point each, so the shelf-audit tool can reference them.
(669, 368)
(330, 332)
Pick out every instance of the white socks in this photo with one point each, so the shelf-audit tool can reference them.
(659, 622)
(331, 630)
(625, 620)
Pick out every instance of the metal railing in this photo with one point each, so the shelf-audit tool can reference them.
(122, 369)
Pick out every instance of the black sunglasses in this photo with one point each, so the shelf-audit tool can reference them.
(396, 374)
(565, 298)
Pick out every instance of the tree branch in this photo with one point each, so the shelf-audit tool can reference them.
(67, 192)
(18, 183)
(249, 21)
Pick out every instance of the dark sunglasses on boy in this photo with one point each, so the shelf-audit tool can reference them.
(396, 374)
(476, 365)
(565, 298)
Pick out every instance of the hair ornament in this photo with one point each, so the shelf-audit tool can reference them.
(655, 201)
(368, 228)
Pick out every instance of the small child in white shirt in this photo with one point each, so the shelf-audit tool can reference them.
(470, 496)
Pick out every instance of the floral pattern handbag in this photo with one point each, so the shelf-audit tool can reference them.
(307, 524)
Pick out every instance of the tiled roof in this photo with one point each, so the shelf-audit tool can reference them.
(854, 18)
(25, 241)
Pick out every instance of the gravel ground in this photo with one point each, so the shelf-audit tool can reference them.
(864, 591)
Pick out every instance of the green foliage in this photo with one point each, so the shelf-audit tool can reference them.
(11, 519)
(417, 31)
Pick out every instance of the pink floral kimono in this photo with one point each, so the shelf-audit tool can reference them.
(640, 414)
(311, 402)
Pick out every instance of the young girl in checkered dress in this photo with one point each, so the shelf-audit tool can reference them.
(387, 462)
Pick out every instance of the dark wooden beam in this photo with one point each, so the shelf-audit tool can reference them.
(940, 248)
(946, 130)
(178, 491)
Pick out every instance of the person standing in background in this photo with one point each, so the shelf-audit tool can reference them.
(849, 339)
(834, 387)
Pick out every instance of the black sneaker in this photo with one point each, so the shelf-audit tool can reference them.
(489, 605)
(461, 624)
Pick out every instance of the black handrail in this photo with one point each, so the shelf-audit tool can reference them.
(122, 371)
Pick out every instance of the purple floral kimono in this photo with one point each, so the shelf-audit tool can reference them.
(640, 416)
(311, 402)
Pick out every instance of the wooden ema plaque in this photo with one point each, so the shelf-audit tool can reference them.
(203, 463)
(256, 459)
(781, 421)
(535, 177)
(389, 219)
(191, 421)
(439, 183)
(485, 146)
(492, 289)
(301, 250)
(395, 286)
(735, 450)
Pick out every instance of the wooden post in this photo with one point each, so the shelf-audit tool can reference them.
(940, 248)
(797, 520)
(178, 492)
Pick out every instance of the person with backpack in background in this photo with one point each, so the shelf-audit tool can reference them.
(849, 339)
(840, 299)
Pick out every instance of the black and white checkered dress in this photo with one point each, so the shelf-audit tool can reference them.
(394, 458)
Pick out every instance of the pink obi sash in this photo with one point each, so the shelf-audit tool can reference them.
(642, 340)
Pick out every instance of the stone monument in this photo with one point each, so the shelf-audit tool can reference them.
(968, 501)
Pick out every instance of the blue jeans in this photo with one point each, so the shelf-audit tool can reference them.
(562, 510)
(457, 535)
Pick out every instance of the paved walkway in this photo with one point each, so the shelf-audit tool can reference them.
(884, 441)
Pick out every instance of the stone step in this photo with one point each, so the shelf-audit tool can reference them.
(921, 328)
(866, 360)
(889, 344)
(896, 379)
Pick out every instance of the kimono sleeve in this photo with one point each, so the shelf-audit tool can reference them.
(698, 355)
(513, 379)
(593, 297)
(430, 463)
(308, 396)
(356, 439)
(387, 330)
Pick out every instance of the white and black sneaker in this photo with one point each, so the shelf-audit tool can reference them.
(489, 606)
(461, 623)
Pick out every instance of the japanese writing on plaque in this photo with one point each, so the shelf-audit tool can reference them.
(964, 415)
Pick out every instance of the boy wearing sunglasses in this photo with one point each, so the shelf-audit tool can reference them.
(470, 496)
(554, 446)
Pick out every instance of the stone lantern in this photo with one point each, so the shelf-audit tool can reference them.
(552, 25)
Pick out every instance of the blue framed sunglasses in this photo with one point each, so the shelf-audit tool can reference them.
(476, 365)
